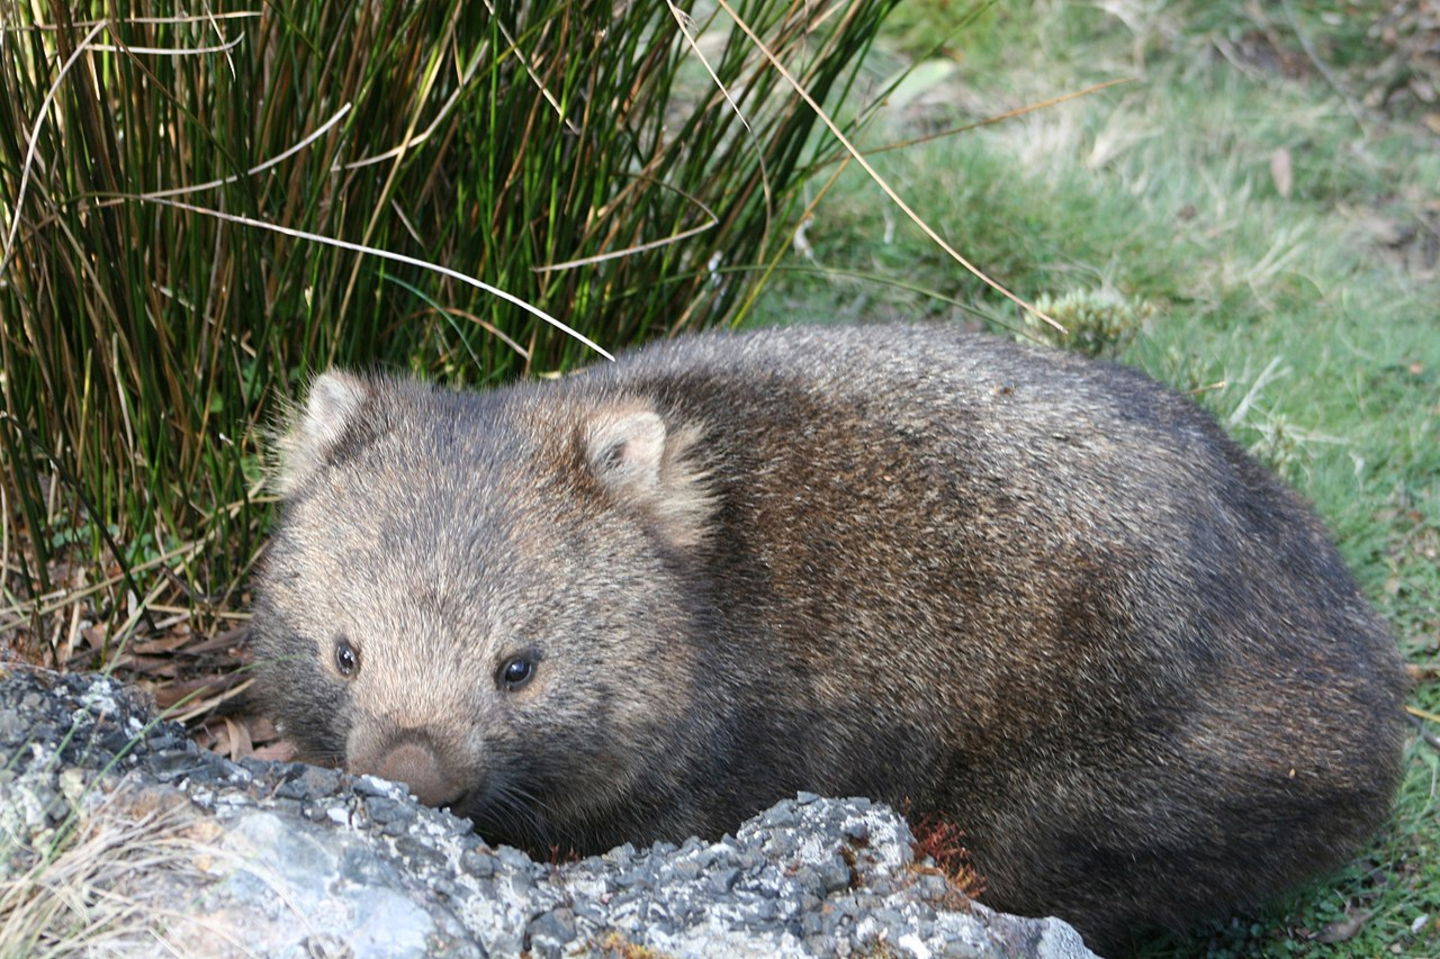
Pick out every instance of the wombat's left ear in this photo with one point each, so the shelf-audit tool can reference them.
(647, 464)
(331, 408)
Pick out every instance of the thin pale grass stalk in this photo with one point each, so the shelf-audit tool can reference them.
(422, 136)
(713, 220)
(781, 250)
(34, 139)
(680, 19)
(875, 176)
(164, 51)
(999, 117)
(430, 73)
(185, 18)
(843, 161)
(763, 77)
(530, 71)
(398, 258)
(259, 168)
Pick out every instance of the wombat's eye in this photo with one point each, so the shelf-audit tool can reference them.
(347, 657)
(516, 672)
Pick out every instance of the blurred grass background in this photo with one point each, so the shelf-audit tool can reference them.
(1253, 219)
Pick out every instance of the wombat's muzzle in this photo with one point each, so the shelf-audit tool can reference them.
(414, 761)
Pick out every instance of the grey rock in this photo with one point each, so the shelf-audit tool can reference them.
(477, 863)
(279, 859)
(723, 879)
(834, 873)
(552, 930)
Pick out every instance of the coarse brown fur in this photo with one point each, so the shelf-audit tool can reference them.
(1042, 597)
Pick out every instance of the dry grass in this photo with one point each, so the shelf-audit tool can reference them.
(109, 880)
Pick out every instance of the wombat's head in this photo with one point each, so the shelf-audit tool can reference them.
(487, 597)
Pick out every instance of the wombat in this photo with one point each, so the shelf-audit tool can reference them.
(1038, 596)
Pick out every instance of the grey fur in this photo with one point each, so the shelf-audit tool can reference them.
(1042, 597)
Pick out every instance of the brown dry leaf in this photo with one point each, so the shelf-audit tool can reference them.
(1423, 671)
(240, 744)
(169, 694)
(236, 737)
(149, 665)
(220, 642)
(1345, 928)
(282, 750)
(211, 737)
(165, 644)
(1282, 172)
(1432, 120)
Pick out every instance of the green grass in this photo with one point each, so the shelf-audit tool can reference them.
(1289, 316)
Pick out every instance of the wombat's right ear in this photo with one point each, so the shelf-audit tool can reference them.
(330, 409)
(649, 465)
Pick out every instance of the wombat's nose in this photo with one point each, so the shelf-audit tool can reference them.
(417, 766)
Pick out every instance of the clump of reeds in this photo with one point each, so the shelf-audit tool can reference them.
(184, 191)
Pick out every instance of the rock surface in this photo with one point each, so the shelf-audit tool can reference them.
(283, 859)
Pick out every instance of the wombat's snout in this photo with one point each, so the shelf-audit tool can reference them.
(416, 764)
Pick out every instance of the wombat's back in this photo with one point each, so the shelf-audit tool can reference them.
(1041, 597)
(1151, 683)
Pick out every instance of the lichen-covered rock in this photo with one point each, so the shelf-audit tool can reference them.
(282, 859)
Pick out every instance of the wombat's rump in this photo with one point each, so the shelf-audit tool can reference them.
(1041, 597)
